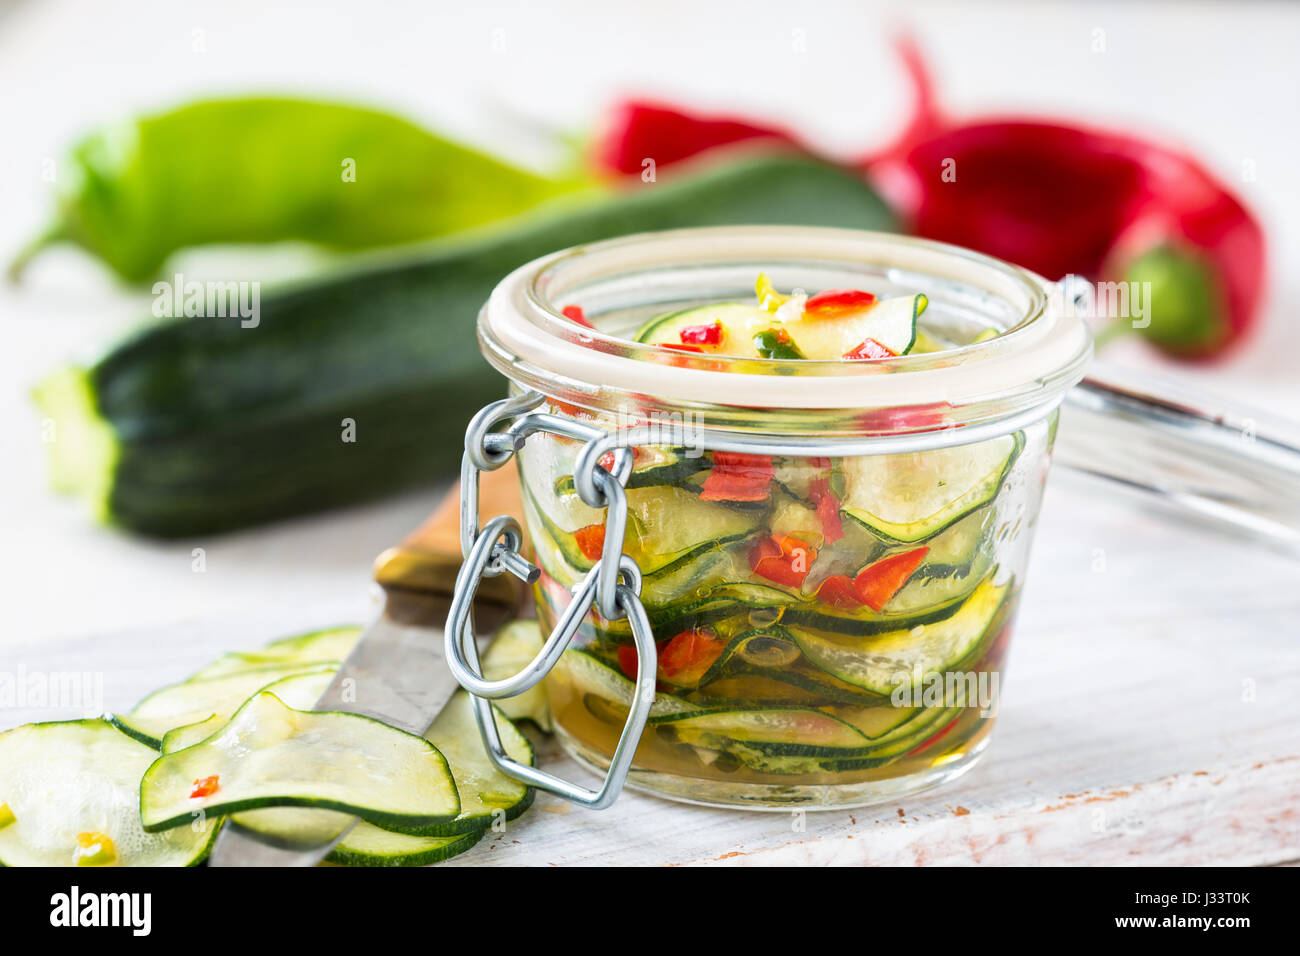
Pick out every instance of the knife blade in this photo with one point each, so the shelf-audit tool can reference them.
(396, 672)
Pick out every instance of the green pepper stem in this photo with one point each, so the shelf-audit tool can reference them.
(17, 265)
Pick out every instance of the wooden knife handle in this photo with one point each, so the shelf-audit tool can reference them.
(428, 558)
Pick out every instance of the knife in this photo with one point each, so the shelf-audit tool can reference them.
(396, 672)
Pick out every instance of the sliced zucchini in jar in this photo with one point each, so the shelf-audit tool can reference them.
(588, 674)
(656, 465)
(195, 700)
(511, 650)
(70, 796)
(791, 732)
(907, 497)
(271, 755)
(738, 321)
(882, 662)
(319, 648)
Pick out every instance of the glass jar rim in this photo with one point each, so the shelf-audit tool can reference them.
(524, 334)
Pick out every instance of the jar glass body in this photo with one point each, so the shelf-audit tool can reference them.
(832, 607)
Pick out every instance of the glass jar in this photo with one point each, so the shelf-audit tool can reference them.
(830, 554)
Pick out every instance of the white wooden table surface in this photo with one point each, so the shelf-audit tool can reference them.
(1151, 714)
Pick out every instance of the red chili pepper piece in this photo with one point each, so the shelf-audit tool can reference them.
(828, 508)
(686, 658)
(590, 540)
(837, 591)
(837, 302)
(205, 787)
(869, 349)
(607, 460)
(680, 348)
(639, 130)
(702, 334)
(738, 477)
(783, 559)
(575, 313)
(877, 583)
(935, 738)
(628, 662)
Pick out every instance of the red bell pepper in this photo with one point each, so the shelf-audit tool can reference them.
(837, 302)
(575, 314)
(686, 658)
(590, 540)
(869, 349)
(702, 334)
(877, 583)
(837, 591)
(205, 787)
(628, 662)
(783, 559)
(828, 508)
(736, 476)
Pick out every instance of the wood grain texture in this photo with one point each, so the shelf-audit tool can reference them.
(1151, 715)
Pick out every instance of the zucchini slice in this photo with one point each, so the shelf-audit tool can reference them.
(271, 755)
(368, 845)
(82, 778)
(738, 319)
(907, 497)
(301, 691)
(882, 662)
(588, 674)
(306, 650)
(194, 700)
(790, 732)
(515, 646)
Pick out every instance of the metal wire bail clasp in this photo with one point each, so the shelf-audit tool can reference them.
(613, 586)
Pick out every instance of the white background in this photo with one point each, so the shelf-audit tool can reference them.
(1222, 78)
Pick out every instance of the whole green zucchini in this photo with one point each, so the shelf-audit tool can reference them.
(199, 425)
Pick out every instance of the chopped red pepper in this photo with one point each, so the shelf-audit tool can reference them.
(575, 313)
(590, 540)
(680, 348)
(628, 662)
(607, 459)
(205, 787)
(828, 508)
(869, 349)
(702, 334)
(686, 658)
(877, 583)
(783, 559)
(837, 591)
(935, 738)
(736, 476)
(836, 302)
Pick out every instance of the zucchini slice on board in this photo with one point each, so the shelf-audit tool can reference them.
(907, 497)
(270, 755)
(81, 779)
(514, 647)
(301, 691)
(305, 650)
(881, 662)
(368, 845)
(194, 700)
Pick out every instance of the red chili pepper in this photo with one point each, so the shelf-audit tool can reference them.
(837, 591)
(628, 662)
(783, 560)
(680, 348)
(738, 477)
(639, 130)
(869, 349)
(837, 302)
(575, 313)
(205, 787)
(877, 583)
(607, 460)
(590, 540)
(702, 334)
(828, 508)
(935, 738)
(685, 658)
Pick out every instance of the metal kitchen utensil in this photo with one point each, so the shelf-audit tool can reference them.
(396, 672)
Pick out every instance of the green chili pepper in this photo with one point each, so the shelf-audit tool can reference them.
(776, 344)
(264, 170)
